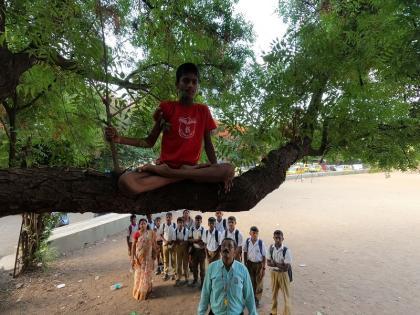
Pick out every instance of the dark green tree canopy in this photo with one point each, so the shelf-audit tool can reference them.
(343, 83)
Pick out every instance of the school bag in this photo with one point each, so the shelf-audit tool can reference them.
(216, 234)
(260, 244)
(224, 224)
(289, 271)
(236, 236)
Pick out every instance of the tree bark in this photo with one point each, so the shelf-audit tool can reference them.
(80, 190)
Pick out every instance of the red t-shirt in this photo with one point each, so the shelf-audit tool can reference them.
(182, 143)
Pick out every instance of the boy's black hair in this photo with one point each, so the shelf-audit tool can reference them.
(232, 218)
(253, 229)
(185, 68)
(212, 220)
(185, 210)
(278, 232)
(132, 217)
(198, 217)
(180, 219)
(168, 214)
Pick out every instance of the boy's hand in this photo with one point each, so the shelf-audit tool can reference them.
(158, 115)
(111, 134)
(262, 273)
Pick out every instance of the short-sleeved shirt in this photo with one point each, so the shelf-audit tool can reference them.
(239, 239)
(157, 230)
(277, 255)
(167, 232)
(133, 228)
(221, 226)
(182, 143)
(181, 235)
(197, 234)
(253, 251)
(210, 240)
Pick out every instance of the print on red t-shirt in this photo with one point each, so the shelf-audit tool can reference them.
(182, 143)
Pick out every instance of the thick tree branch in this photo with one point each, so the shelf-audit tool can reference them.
(324, 142)
(77, 190)
(2, 16)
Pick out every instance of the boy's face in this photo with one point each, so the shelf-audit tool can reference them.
(149, 217)
(197, 222)
(211, 225)
(278, 239)
(168, 218)
(186, 213)
(180, 225)
(219, 215)
(253, 234)
(133, 221)
(231, 224)
(187, 86)
(157, 221)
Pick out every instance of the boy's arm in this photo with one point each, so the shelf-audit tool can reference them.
(111, 134)
(209, 148)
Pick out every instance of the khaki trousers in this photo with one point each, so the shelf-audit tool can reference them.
(213, 256)
(168, 256)
(280, 281)
(181, 253)
(198, 259)
(254, 269)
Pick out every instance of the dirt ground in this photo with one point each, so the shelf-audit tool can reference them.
(354, 239)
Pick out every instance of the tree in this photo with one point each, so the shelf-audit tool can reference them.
(343, 81)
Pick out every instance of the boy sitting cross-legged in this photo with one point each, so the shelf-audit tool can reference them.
(185, 125)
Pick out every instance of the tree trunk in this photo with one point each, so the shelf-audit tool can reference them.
(81, 190)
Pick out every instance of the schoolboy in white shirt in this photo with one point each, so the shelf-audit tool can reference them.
(280, 260)
(233, 233)
(213, 240)
(254, 259)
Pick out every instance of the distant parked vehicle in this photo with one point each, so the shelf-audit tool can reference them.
(357, 167)
(63, 219)
(339, 168)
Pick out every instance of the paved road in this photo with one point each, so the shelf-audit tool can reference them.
(10, 227)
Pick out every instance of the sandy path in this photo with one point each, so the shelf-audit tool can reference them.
(358, 236)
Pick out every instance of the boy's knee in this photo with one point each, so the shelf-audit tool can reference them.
(228, 170)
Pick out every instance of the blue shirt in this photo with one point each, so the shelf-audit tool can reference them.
(227, 292)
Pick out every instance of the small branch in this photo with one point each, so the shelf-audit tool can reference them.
(2, 16)
(6, 129)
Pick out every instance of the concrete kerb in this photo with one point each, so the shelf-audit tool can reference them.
(77, 235)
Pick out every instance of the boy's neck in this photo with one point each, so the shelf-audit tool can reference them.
(278, 245)
(186, 101)
(231, 230)
(211, 229)
(254, 240)
(219, 220)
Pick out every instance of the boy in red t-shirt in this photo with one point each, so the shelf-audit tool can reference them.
(189, 125)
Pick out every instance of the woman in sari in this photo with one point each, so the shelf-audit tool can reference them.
(143, 256)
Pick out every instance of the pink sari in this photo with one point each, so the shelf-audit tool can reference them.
(144, 256)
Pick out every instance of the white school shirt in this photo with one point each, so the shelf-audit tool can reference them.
(219, 225)
(189, 224)
(157, 230)
(197, 234)
(131, 230)
(181, 235)
(151, 225)
(253, 251)
(167, 232)
(278, 256)
(228, 234)
(210, 240)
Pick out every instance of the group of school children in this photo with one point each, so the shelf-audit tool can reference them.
(185, 246)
